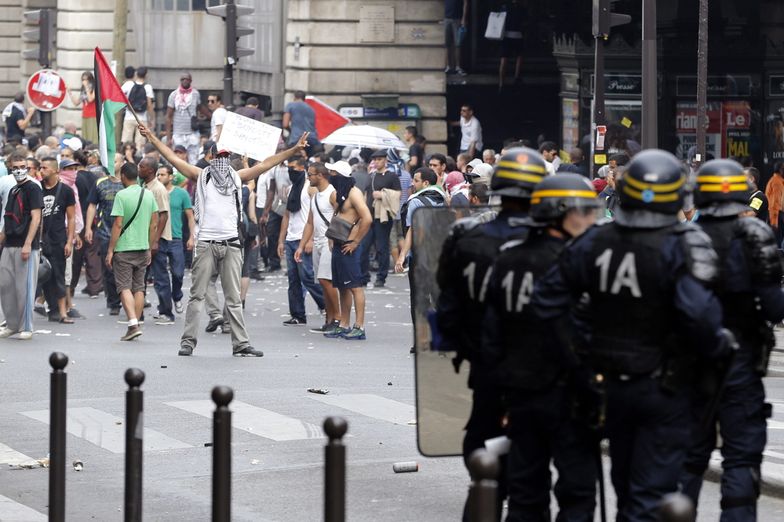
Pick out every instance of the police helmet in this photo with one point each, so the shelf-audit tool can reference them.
(557, 195)
(722, 188)
(651, 190)
(517, 173)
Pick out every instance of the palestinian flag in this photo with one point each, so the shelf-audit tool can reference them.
(328, 120)
(109, 99)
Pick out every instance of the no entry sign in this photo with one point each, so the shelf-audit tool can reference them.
(46, 90)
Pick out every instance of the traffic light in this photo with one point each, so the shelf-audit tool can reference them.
(604, 18)
(230, 12)
(43, 35)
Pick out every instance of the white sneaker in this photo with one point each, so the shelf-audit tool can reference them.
(6, 332)
(25, 336)
(178, 306)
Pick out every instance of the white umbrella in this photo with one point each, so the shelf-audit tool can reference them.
(364, 136)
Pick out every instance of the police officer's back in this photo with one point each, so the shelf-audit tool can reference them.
(750, 293)
(463, 276)
(652, 272)
(537, 385)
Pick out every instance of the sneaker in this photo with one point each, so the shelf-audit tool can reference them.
(6, 332)
(295, 322)
(338, 331)
(185, 351)
(460, 72)
(73, 313)
(164, 320)
(379, 284)
(40, 310)
(114, 311)
(25, 336)
(132, 333)
(324, 327)
(249, 351)
(214, 323)
(356, 334)
(147, 304)
(178, 306)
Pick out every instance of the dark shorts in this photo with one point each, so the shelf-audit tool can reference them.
(55, 285)
(246, 257)
(511, 47)
(346, 272)
(129, 269)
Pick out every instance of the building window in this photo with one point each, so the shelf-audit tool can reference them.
(181, 5)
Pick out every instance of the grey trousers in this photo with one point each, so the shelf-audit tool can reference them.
(212, 300)
(18, 280)
(227, 261)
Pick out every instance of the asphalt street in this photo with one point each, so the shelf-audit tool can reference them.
(277, 440)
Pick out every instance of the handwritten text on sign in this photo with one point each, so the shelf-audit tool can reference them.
(248, 137)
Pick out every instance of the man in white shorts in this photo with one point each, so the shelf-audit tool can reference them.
(321, 212)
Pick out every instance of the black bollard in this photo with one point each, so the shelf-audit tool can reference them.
(57, 415)
(134, 429)
(676, 507)
(335, 470)
(484, 467)
(221, 454)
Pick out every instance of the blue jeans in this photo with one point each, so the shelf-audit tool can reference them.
(378, 235)
(169, 253)
(109, 286)
(301, 279)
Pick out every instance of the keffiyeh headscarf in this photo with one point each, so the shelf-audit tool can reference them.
(221, 174)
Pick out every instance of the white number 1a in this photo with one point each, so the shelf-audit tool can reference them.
(625, 277)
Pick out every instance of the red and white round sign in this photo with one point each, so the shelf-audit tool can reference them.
(46, 90)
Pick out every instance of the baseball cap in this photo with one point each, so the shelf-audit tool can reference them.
(64, 164)
(180, 148)
(341, 167)
(381, 153)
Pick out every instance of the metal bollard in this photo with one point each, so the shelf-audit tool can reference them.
(221, 454)
(484, 467)
(134, 430)
(676, 507)
(57, 416)
(335, 470)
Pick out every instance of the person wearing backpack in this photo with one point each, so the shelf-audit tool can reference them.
(141, 97)
(19, 258)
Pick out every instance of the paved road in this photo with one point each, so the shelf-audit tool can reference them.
(277, 440)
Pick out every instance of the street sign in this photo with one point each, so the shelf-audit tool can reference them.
(46, 90)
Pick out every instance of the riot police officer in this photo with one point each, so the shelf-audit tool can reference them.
(751, 297)
(537, 387)
(463, 275)
(651, 273)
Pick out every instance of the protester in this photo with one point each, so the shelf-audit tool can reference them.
(774, 191)
(488, 156)
(549, 151)
(438, 164)
(299, 118)
(99, 211)
(142, 101)
(300, 274)
(455, 26)
(69, 172)
(319, 218)
(274, 210)
(181, 110)
(16, 119)
(135, 214)
(215, 104)
(19, 238)
(179, 206)
(59, 225)
(416, 152)
(512, 41)
(218, 245)
(347, 277)
(457, 188)
(758, 202)
(471, 131)
(251, 109)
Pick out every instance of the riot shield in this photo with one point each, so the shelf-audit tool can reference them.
(443, 399)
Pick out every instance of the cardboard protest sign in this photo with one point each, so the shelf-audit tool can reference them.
(248, 137)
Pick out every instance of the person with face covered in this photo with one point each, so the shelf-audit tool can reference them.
(217, 208)
(19, 258)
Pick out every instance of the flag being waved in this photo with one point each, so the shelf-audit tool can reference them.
(109, 99)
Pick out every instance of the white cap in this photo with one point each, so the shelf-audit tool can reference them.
(474, 162)
(341, 167)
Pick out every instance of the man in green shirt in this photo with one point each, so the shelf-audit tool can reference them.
(135, 215)
(179, 204)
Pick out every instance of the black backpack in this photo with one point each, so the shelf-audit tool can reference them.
(138, 98)
(15, 218)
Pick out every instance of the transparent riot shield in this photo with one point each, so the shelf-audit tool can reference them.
(443, 399)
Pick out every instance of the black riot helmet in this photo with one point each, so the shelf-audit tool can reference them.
(722, 189)
(557, 195)
(651, 190)
(517, 173)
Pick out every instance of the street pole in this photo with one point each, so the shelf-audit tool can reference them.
(650, 124)
(702, 80)
(598, 118)
(118, 48)
(228, 64)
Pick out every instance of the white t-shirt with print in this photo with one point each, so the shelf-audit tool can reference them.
(219, 213)
(218, 118)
